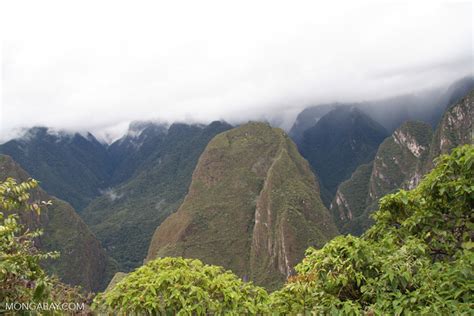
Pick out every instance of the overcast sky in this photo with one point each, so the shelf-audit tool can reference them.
(98, 65)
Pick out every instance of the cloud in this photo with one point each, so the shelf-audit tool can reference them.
(98, 65)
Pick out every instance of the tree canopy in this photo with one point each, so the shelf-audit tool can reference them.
(178, 286)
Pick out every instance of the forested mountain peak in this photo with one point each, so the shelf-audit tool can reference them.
(253, 178)
(340, 141)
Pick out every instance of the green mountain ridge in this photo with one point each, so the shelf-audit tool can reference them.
(253, 206)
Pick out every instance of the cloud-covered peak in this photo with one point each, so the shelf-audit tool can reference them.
(81, 68)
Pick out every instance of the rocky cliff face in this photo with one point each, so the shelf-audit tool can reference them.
(400, 159)
(454, 129)
(82, 259)
(400, 163)
(253, 206)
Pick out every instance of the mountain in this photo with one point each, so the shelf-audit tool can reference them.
(253, 206)
(307, 119)
(455, 127)
(125, 189)
(400, 159)
(72, 167)
(82, 259)
(125, 216)
(349, 207)
(454, 93)
(426, 106)
(340, 141)
(401, 162)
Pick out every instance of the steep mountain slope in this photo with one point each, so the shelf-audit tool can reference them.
(128, 153)
(349, 207)
(70, 166)
(82, 259)
(455, 128)
(253, 207)
(400, 162)
(452, 95)
(400, 159)
(125, 216)
(307, 119)
(339, 142)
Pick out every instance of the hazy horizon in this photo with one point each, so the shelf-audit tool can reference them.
(97, 68)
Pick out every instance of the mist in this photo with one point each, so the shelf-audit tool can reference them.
(96, 66)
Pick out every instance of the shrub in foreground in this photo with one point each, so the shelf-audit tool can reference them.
(177, 286)
(22, 278)
(418, 258)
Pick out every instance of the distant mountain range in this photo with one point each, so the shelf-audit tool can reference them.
(426, 106)
(247, 198)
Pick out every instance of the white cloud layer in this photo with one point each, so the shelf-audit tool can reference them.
(98, 65)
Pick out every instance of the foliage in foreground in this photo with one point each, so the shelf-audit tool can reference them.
(22, 279)
(182, 286)
(418, 258)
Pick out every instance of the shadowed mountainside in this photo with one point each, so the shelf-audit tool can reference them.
(82, 259)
